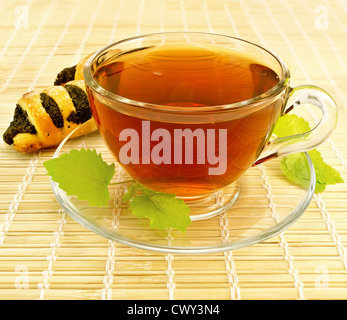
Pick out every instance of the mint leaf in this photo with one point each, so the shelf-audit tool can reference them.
(325, 174)
(163, 209)
(289, 125)
(84, 174)
(295, 166)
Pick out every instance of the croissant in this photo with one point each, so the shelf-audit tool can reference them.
(44, 119)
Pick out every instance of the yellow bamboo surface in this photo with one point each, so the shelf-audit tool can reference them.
(45, 254)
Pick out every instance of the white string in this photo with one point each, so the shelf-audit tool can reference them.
(27, 49)
(115, 24)
(283, 243)
(60, 233)
(170, 276)
(235, 292)
(310, 43)
(184, 15)
(330, 41)
(266, 185)
(139, 17)
(13, 34)
(322, 208)
(52, 52)
(13, 207)
(80, 49)
(336, 18)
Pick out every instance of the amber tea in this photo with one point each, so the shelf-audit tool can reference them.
(174, 154)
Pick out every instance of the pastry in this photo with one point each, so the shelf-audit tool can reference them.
(44, 119)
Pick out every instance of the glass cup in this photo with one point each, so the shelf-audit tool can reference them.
(188, 113)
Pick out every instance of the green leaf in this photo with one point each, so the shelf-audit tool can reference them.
(163, 209)
(295, 166)
(325, 174)
(84, 174)
(289, 125)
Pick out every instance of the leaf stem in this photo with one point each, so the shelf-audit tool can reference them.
(120, 182)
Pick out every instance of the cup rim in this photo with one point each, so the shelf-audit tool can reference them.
(274, 91)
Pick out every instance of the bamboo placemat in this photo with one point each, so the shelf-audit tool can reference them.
(44, 254)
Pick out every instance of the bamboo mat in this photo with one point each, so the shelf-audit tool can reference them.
(45, 254)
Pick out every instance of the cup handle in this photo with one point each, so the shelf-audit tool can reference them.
(314, 96)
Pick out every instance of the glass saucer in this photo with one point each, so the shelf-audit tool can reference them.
(267, 204)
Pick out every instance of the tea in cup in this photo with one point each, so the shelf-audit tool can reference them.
(188, 113)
